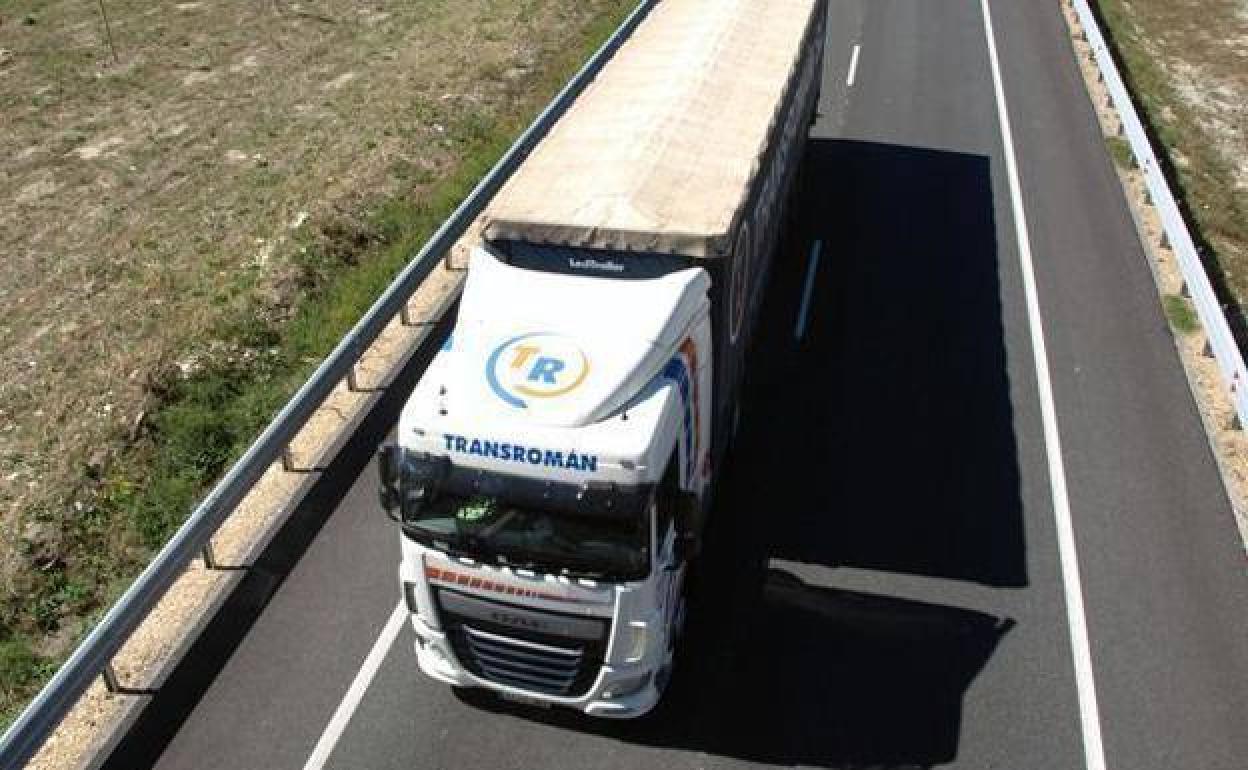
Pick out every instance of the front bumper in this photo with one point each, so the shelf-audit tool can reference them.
(437, 659)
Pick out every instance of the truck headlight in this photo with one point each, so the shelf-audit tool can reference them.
(637, 636)
(437, 658)
(627, 686)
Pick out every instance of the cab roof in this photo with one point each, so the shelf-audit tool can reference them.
(564, 350)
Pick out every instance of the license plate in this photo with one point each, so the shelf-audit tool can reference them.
(526, 700)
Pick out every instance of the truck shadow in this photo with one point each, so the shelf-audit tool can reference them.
(779, 671)
(885, 437)
(882, 439)
(811, 675)
(783, 667)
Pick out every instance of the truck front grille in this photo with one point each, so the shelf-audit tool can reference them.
(527, 660)
(521, 664)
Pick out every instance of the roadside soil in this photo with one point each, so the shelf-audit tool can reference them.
(164, 171)
(1187, 62)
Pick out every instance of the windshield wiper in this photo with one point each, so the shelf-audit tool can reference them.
(460, 546)
(476, 548)
(567, 569)
(521, 562)
(527, 561)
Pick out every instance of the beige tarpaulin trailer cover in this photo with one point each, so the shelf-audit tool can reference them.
(660, 152)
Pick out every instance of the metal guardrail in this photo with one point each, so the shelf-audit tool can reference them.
(93, 656)
(1211, 313)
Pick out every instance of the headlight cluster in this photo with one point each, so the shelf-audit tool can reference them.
(637, 636)
(626, 686)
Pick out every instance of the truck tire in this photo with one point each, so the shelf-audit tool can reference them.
(663, 676)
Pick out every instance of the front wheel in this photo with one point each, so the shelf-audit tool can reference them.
(663, 676)
(674, 634)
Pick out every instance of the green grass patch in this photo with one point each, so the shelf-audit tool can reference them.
(205, 420)
(1180, 314)
(1120, 151)
(21, 670)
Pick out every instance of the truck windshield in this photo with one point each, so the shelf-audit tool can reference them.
(492, 530)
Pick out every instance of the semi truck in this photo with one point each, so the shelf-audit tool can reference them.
(553, 468)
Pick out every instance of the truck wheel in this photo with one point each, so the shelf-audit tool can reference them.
(663, 676)
(681, 617)
(675, 633)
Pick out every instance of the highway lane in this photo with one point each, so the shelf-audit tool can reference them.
(1165, 576)
(887, 585)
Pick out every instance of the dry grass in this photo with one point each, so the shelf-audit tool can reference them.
(168, 215)
(1187, 62)
(147, 198)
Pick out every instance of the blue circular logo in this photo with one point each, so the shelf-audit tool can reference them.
(536, 366)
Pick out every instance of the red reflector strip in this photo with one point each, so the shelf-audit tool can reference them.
(484, 584)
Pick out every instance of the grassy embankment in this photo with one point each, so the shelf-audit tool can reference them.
(200, 423)
(1184, 65)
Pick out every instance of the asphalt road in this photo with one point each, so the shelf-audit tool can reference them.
(888, 587)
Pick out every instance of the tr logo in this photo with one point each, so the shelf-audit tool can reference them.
(533, 366)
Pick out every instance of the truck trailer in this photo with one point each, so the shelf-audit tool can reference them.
(554, 466)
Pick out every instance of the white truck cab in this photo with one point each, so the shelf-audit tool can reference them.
(545, 467)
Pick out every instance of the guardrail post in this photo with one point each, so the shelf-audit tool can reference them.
(288, 460)
(1207, 350)
(353, 383)
(288, 463)
(405, 316)
(110, 678)
(209, 556)
(1183, 290)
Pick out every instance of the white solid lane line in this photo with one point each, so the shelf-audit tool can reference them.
(799, 331)
(355, 693)
(1085, 684)
(853, 64)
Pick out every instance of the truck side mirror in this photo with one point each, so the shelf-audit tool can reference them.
(389, 460)
(687, 516)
